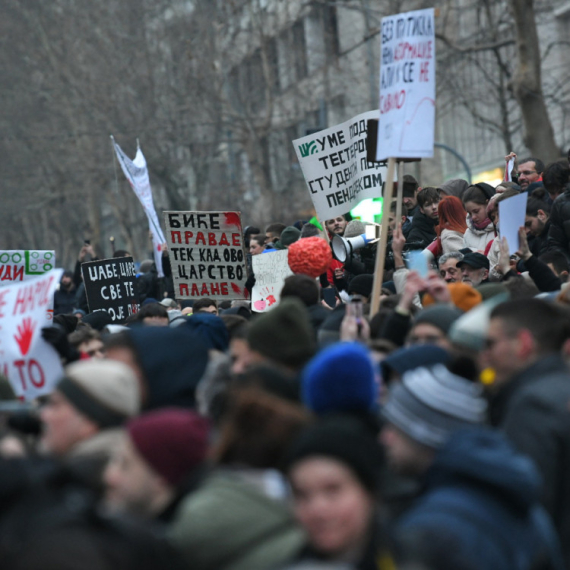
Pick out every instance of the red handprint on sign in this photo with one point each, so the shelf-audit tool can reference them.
(25, 334)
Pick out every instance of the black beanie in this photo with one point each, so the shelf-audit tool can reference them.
(284, 334)
(346, 440)
(361, 285)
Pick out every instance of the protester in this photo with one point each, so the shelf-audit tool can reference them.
(480, 230)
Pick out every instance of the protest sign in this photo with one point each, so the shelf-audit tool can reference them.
(407, 86)
(31, 365)
(270, 270)
(335, 167)
(110, 285)
(23, 264)
(207, 254)
(136, 172)
(512, 214)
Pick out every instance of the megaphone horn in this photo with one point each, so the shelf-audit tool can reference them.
(343, 247)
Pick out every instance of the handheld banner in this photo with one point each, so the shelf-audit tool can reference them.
(31, 364)
(207, 254)
(407, 86)
(270, 270)
(110, 285)
(23, 264)
(335, 167)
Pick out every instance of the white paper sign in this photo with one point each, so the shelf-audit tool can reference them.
(407, 86)
(270, 270)
(335, 168)
(30, 363)
(136, 172)
(512, 214)
(23, 264)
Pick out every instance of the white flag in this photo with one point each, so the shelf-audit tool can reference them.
(136, 172)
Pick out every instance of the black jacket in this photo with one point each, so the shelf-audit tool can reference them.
(533, 410)
(422, 230)
(539, 244)
(559, 232)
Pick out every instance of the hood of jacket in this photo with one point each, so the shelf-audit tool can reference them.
(484, 458)
(173, 361)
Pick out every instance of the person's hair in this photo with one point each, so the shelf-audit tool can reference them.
(302, 287)
(508, 186)
(83, 334)
(556, 176)
(538, 164)
(533, 205)
(394, 207)
(451, 255)
(547, 323)
(203, 303)
(557, 259)
(451, 215)
(275, 228)
(521, 288)
(151, 310)
(240, 332)
(121, 253)
(493, 203)
(233, 322)
(309, 230)
(409, 180)
(476, 194)
(428, 195)
(259, 239)
(258, 430)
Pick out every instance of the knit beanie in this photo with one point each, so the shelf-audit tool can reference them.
(361, 285)
(105, 391)
(284, 334)
(344, 439)
(439, 316)
(354, 228)
(173, 441)
(412, 357)
(340, 378)
(212, 330)
(429, 404)
(289, 235)
(454, 187)
(463, 296)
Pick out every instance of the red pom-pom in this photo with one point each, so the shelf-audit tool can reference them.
(310, 256)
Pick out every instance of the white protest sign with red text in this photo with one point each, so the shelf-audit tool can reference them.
(30, 363)
(407, 86)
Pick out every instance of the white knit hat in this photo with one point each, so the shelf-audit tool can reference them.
(105, 391)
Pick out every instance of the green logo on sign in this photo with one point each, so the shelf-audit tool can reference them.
(308, 148)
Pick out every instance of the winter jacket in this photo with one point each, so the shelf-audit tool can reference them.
(231, 524)
(539, 244)
(451, 241)
(532, 409)
(559, 232)
(422, 231)
(483, 494)
(475, 239)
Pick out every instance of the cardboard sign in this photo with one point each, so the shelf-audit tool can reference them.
(207, 254)
(335, 167)
(270, 270)
(30, 363)
(407, 86)
(23, 264)
(110, 285)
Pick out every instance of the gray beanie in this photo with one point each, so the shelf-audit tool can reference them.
(354, 228)
(439, 316)
(431, 403)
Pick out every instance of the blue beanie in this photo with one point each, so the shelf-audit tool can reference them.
(340, 378)
(212, 330)
(412, 357)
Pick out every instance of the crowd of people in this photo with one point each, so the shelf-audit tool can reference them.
(200, 435)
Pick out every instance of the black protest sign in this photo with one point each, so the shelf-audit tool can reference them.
(207, 256)
(110, 284)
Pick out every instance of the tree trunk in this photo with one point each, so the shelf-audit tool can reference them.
(527, 84)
